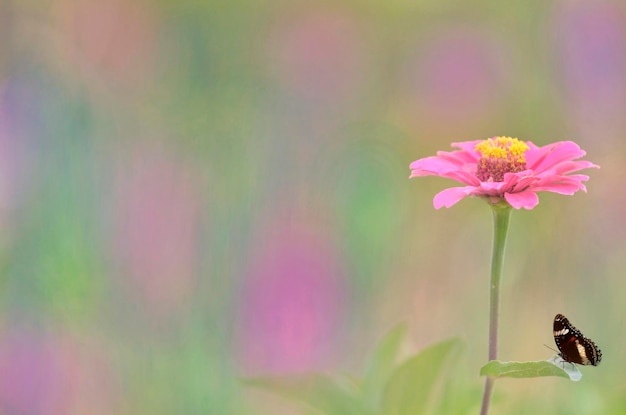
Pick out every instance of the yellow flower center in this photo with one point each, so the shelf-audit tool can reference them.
(500, 155)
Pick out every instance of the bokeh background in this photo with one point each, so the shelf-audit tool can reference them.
(192, 192)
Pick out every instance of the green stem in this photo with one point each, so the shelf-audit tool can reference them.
(501, 216)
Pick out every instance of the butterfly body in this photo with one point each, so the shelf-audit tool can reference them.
(573, 346)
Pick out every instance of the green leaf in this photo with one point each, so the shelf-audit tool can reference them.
(327, 394)
(416, 385)
(540, 368)
(383, 362)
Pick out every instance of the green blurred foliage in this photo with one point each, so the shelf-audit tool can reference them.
(390, 387)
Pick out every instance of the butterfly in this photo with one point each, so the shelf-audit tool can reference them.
(573, 346)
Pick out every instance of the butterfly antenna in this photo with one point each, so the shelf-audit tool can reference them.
(556, 351)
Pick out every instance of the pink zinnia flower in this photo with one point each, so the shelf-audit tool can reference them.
(505, 169)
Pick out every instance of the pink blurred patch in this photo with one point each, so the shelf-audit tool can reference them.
(591, 39)
(458, 74)
(116, 38)
(87, 373)
(155, 224)
(14, 150)
(40, 374)
(291, 301)
(318, 56)
(30, 375)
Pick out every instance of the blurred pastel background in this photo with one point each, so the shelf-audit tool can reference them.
(193, 191)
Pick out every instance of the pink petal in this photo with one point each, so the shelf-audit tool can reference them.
(526, 199)
(549, 156)
(434, 165)
(532, 145)
(572, 166)
(464, 177)
(575, 181)
(492, 188)
(462, 157)
(450, 165)
(525, 182)
(468, 147)
(578, 177)
(517, 180)
(449, 197)
(561, 188)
